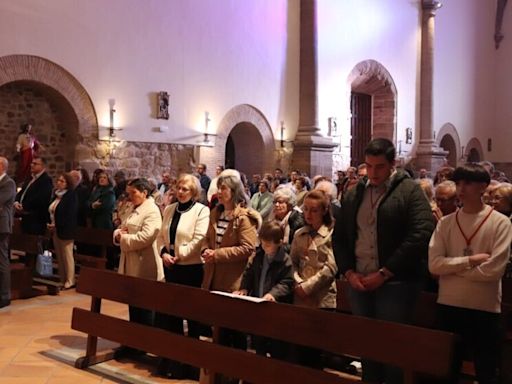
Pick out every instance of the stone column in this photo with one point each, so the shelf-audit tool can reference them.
(312, 152)
(428, 154)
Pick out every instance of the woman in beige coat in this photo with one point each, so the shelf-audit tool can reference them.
(314, 265)
(136, 236)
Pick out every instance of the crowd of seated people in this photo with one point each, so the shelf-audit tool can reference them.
(232, 235)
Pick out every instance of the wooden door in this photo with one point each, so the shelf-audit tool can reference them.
(360, 127)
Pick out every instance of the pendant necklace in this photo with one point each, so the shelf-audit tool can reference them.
(468, 251)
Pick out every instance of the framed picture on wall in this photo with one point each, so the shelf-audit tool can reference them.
(163, 105)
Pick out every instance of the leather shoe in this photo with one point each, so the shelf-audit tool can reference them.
(5, 303)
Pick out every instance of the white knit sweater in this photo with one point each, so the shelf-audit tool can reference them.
(460, 285)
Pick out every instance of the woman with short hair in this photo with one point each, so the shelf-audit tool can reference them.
(287, 214)
(181, 237)
(137, 238)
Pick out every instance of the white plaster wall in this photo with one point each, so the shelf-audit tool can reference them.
(464, 72)
(502, 130)
(352, 31)
(210, 55)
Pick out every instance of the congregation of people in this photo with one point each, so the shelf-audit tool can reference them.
(287, 238)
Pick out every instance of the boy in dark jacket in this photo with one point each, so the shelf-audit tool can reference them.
(269, 276)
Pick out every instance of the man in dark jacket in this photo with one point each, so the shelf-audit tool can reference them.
(32, 203)
(381, 242)
(33, 199)
(7, 193)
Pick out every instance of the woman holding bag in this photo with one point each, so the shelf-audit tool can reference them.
(184, 228)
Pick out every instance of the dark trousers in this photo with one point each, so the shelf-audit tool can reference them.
(192, 276)
(141, 315)
(481, 333)
(5, 271)
(393, 301)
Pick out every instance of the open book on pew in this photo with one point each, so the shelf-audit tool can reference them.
(248, 298)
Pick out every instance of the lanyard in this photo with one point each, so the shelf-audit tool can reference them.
(468, 239)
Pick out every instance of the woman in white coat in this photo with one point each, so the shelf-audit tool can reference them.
(137, 238)
(180, 240)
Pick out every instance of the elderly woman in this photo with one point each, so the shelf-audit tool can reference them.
(313, 263)
(502, 199)
(136, 236)
(184, 228)
(287, 214)
(231, 240)
(63, 222)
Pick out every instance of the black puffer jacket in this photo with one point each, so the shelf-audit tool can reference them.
(404, 227)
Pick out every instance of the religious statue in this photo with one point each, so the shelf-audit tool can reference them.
(26, 147)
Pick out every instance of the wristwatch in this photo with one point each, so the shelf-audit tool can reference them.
(384, 274)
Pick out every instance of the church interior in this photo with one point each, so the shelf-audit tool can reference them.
(153, 86)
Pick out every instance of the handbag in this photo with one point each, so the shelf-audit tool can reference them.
(44, 264)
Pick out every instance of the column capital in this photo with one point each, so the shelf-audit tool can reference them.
(431, 6)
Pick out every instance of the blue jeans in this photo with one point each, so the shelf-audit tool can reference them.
(394, 301)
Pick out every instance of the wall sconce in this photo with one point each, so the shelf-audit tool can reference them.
(112, 129)
(206, 140)
(283, 141)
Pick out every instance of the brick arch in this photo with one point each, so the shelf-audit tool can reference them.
(449, 130)
(372, 78)
(243, 115)
(37, 69)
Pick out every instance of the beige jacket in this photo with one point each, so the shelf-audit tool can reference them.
(190, 233)
(238, 244)
(139, 253)
(314, 267)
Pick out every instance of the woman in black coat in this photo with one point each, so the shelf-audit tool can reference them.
(63, 223)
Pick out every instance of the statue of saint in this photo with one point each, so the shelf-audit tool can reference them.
(26, 147)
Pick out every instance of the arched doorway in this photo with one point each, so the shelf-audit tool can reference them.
(474, 151)
(448, 139)
(245, 139)
(473, 156)
(448, 144)
(372, 106)
(244, 147)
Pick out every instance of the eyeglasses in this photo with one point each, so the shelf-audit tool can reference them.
(36, 163)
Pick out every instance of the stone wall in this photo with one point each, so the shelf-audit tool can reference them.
(135, 158)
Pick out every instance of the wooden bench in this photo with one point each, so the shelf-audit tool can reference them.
(98, 238)
(415, 350)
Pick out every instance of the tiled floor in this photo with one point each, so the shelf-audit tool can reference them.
(38, 346)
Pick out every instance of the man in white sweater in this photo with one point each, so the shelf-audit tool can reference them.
(469, 251)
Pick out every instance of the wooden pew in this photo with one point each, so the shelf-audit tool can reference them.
(98, 238)
(415, 350)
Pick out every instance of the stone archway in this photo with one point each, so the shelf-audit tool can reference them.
(252, 138)
(371, 78)
(474, 151)
(60, 86)
(448, 139)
